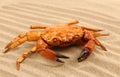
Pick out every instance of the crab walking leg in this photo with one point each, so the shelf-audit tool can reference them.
(87, 50)
(72, 22)
(44, 50)
(90, 29)
(97, 34)
(38, 27)
(29, 36)
(24, 56)
(99, 44)
(16, 39)
(93, 35)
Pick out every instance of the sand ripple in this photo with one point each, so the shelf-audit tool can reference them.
(17, 18)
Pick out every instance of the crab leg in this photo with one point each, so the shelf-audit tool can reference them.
(72, 22)
(90, 29)
(93, 35)
(29, 36)
(99, 44)
(96, 34)
(24, 56)
(38, 27)
(46, 52)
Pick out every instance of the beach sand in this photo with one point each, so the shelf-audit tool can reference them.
(17, 16)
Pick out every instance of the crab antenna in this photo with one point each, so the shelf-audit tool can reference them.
(72, 22)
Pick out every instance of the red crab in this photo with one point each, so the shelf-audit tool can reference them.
(57, 36)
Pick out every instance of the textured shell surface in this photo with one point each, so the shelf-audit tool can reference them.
(62, 35)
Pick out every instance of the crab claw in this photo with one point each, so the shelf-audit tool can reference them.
(58, 60)
(84, 54)
(61, 56)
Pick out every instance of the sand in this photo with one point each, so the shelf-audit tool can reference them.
(16, 17)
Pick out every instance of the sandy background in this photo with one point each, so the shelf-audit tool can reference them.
(16, 17)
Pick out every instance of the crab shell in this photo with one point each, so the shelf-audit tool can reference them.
(62, 35)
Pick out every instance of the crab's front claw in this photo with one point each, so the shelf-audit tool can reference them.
(61, 56)
(52, 55)
(84, 54)
(58, 60)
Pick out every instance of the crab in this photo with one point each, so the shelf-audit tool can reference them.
(61, 35)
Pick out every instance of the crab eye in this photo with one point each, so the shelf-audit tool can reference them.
(54, 39)
(77, 36)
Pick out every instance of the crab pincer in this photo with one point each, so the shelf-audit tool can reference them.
(84, 54)
(45, 50)
(52, 55)
(61, 56)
